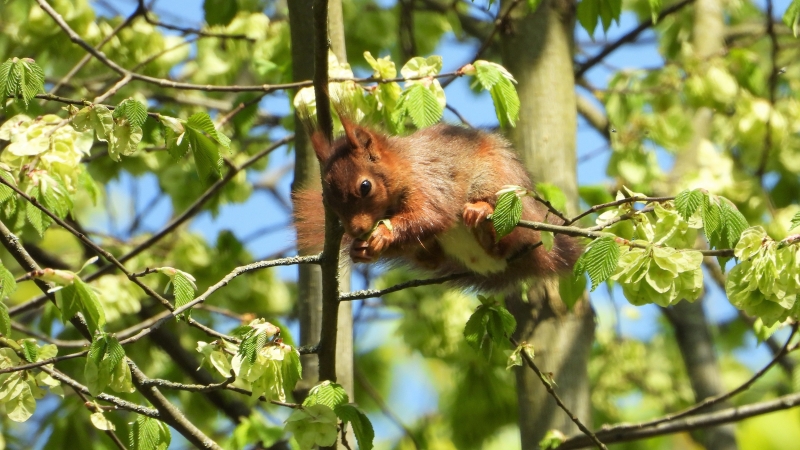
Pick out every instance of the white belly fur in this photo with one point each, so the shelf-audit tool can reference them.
(459, 243)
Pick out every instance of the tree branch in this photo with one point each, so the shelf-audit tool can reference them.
(549, 386)
(628, 37)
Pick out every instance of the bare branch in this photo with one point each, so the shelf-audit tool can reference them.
(628, 37)
(549, 386)
(735, 414)
(371, 293)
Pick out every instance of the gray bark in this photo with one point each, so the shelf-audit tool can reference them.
(537, 48)
(306, 175)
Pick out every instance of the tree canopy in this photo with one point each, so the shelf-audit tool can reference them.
(146, 157)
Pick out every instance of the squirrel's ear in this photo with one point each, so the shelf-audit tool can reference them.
(322, 147)
(359, 138)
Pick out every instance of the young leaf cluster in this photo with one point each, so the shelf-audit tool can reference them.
(184, 286)
(315, 423)
(20, 79)
(421, 101)
(19, 390)
(500, 84)
(106, 366)
(122, 129)
(148, 433)
(766, 281)
(199, 135)
(262, 363)
(490, 323)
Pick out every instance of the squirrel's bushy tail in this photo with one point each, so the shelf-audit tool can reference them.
(309, 220)
(565, 253)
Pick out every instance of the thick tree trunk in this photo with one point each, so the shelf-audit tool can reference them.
(689, 320)
(306, 175)
(537, 48)
(344, 336)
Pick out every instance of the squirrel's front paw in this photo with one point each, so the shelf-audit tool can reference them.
(359, 251)
(476, 213)
(373, 247)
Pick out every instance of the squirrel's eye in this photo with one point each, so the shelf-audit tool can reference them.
(366, 186)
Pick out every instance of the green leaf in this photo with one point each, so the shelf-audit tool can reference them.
(38, 219)
(21, 79)
(6, 193)
(687, 202)
(655, 9)
(206, 156)
(601, 259)
(68, 302)
(506, 103)
(796, 219)
(711, 220)
(251, 345)
(291, 369)
(202, 122)
(328, 394)
(476, 327)
(220, 12)
(507, 213)
(114, 352)
(422, 67)
(133, 111)
(362, 427)
(7, 283)
(184, 289)
(22, 406)
(30, 350)
(791, 18)
(533, 5)
(313, 425)
(97, 118)
(126, 140)
(571, 287)
(507, 321)
(589, 11)
(149, 434)
(552, 194)
(733, 221)
(420, 104)
(5, 320)
(762, 331)
(90, 306)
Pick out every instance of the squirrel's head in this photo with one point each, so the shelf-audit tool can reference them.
(355, 182)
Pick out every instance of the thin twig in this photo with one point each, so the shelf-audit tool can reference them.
(712, 400)
(371, 293)
(622, 201)
(163, 82)
(772, 84)
(628, 37)
(499, 22)
(86, 58)
(549, 386)
(700, 421)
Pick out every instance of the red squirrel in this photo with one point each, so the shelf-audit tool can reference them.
(424, 200)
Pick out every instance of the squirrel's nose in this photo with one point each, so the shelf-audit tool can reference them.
(357, 231)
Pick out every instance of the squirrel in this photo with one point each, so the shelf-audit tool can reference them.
(423, 200)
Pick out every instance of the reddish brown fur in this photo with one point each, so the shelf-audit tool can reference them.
(426, 184)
